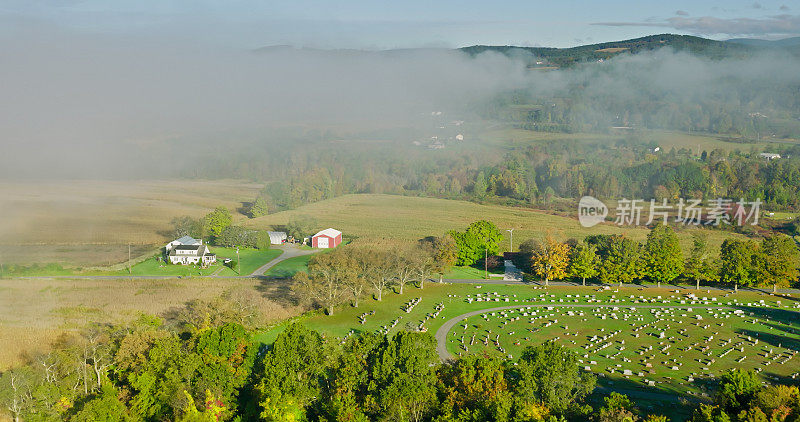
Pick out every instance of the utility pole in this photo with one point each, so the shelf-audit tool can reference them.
(130, 270)
(486, 261)
(512, 239)
(238, 263)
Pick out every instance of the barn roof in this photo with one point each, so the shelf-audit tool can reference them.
(329, 233)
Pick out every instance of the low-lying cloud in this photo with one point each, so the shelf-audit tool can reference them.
(78, 106)
(784, 24)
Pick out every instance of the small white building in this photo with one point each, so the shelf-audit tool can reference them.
(277, 238)
(185, 240)
(191, 254)
(769, 155)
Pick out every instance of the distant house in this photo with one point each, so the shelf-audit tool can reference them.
(185, 241)
(769, 155)
(328, 238)
(277, 238)
(191, 254)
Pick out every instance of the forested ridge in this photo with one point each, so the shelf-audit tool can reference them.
(532, 175)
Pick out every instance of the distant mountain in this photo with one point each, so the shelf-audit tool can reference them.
(565, 57)
(786, 42)
(551, 58)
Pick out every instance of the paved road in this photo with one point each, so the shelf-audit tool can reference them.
(512, 273)
(289, 251)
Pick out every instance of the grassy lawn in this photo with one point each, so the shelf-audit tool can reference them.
(152, 266)
(692, 337)
(289, 267)
(35, 270)
(470, 272)
(250, 259)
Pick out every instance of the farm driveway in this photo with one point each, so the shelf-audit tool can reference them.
(289, 251)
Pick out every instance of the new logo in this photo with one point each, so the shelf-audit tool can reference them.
(591, 211)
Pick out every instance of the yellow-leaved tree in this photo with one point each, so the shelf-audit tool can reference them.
(550, 259)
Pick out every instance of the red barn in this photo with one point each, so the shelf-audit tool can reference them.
(328, 238)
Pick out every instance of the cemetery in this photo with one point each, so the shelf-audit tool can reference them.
(660, 340)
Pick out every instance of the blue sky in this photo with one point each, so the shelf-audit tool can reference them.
(378, 24)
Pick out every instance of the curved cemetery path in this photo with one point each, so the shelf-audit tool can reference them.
(441, 333)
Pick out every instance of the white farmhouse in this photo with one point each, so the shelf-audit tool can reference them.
(191, 254)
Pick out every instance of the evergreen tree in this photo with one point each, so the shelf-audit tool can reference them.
(777, 262)
(698, 265)
(583, 262)
(259, 207)
(480, 187)
(736, 262)
(662, 259)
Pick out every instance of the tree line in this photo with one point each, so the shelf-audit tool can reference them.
(351, 272)
(772, 262)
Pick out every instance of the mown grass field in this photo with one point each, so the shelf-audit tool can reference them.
(689, 343)
(471, 272)
(33, 313)
(377, 217)
(289, 267)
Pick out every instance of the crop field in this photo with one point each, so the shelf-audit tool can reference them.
(379, 217)
(35, 312)
(656, 340)
(90, 223)
(665, 139)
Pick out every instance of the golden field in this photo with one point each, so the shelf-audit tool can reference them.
(91, 222)
(34, 312)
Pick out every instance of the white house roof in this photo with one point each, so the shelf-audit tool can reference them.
(188, 240)
(329, 233)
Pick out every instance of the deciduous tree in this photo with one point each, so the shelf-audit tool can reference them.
(216, 221)
(551, 259)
